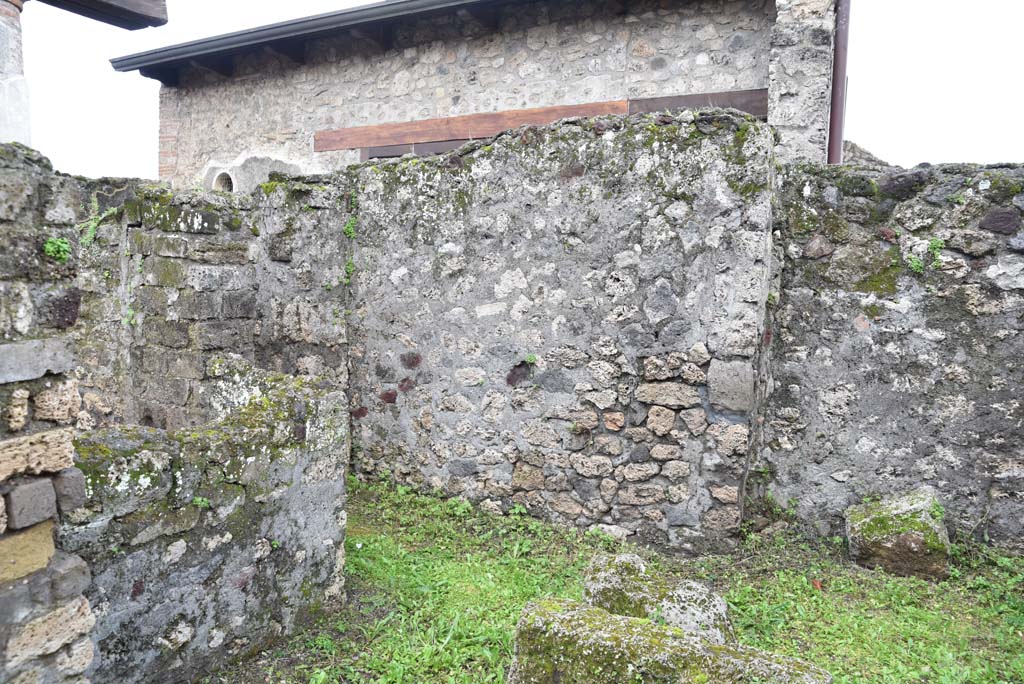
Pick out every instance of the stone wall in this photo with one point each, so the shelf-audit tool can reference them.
(569, 319)
(44, 618)
(800, 78)
(633, 324)
(130, 321)
(898, 353)
(207, 543)
(544, 53)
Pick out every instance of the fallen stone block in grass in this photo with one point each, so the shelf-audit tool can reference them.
(560, 641)
(622, 585)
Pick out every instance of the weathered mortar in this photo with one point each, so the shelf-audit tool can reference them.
(898, 346)
(569, 319)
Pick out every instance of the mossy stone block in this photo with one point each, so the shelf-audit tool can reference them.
(904, 534)
(565, 642)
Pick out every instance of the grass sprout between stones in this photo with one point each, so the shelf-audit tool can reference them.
(436, 587)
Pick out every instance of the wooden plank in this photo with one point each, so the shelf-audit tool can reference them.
(753, 102)
(466, 127)
(127, 14)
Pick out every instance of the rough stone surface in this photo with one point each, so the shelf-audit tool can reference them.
(622, 585)
(537, 300)
(800, 77)
(731, 385)
(895, 361)
(34, 359)
(904, 535)
(50, 632)
(70, 488)
(569, 643)
(257, 503)
(46, 452)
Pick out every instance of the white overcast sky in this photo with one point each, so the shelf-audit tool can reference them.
(930, 80)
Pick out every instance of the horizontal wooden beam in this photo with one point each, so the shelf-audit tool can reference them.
(466, 127)
(127, 14)
(475, 126)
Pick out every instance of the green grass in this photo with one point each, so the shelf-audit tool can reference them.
(436, 587)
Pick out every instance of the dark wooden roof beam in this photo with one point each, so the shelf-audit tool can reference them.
(381, 36)
(293, 51)
(127, 14)
(220, 65)
(168, 76)
(486, 17)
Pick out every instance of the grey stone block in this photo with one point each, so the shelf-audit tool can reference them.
(69, 485)
(69, 576)
(30, 503)
(34, 359)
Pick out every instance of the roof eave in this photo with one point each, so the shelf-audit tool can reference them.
(293, 30)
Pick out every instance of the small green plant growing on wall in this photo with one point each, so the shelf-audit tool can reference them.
(350, 227)
(915, 264)
(202, 503)
(531, 359)
(58, 249)
(936, 245)
(90, 227)
(350, 270)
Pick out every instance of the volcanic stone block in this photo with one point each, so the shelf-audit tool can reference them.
(50, 632)
(70, 488)
(34, 359)
(671, 394)
(30, 503)
(622, 585)
(69, 576)
(565, 642)
(904, 534)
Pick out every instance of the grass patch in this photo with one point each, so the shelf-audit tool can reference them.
(436, 588)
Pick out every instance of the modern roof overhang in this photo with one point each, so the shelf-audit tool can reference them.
(126, 14)
(288, 38)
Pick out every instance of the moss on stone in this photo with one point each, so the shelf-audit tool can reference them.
(884, 281)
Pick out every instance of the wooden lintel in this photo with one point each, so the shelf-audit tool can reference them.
(487, 17)
(469, 127)
(127, 14)
(168, 76)
(294, 52)
(222, 66)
